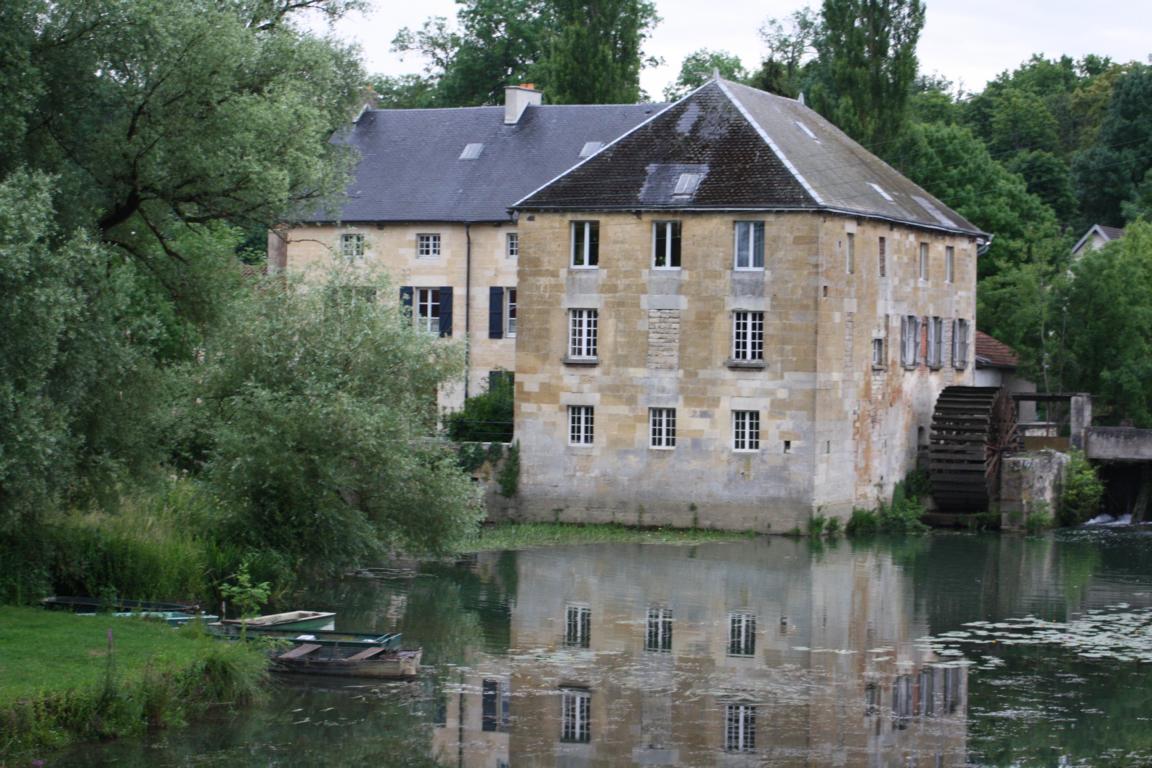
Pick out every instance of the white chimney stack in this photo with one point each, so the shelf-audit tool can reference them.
(517, 98)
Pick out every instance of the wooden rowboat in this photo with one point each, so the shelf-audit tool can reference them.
(291, 620)
(375, 661)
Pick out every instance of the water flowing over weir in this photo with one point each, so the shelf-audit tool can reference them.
(947, 650)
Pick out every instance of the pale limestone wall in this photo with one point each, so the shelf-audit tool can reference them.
(664, 340)
(312, 250)
(869, 420)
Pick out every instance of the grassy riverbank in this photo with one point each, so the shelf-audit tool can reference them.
(528, 535)
(63, 680)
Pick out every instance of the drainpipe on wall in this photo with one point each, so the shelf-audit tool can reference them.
(467, 306)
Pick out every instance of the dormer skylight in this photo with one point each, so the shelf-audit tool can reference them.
(879, 189)
(472, 151)
(687, 183)
(935, 212)
(590, 148)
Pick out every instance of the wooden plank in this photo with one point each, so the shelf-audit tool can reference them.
(367, 653)
(300, 650)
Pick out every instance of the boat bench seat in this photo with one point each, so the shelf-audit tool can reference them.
(300, 650)
(368, 653)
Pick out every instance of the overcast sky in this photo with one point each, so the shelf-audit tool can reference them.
(967, 41)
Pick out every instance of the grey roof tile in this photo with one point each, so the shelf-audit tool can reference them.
(410, 166)
(758, 150)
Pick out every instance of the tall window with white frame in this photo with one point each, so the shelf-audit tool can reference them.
(577, 626)
(427, 316)
(352, 248)
(495, 706)
(582, 329)
(662, 428)
(666, 245)
(658, 637)
(741, 634)
(581, 425)
(748, 336)
(949, 264)
(909, 340)
(935, 342)
(882, 247)
(745, 430)
(924, 262)
(959, 344)
(739, 727)
(575, 710)
(427, 245)
(512, 245)
(585, 244)
(510, 313)
(749, 245)
(850, 253)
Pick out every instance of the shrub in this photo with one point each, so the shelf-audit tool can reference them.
(509, 477)
(487, 417)
(1080, 499)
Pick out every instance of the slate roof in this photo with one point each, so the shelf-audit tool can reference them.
(756, 151)
(992, 353)
(410, 167)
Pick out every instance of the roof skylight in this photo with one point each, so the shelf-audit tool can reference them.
(472, 151)
(881, 191)
(936, 213)
(807, 130)
(590, 148)
(687, 183)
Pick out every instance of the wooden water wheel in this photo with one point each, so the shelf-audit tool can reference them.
(972, 427)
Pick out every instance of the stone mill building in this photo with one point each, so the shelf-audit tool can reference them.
(721, 312)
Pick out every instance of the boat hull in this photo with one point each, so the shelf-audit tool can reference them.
(395, 665)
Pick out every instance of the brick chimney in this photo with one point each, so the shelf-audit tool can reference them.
(517, 98)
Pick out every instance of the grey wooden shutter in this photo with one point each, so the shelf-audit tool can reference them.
(446, 310)
(495, 313)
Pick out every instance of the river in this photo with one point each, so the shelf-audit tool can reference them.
(947, 650)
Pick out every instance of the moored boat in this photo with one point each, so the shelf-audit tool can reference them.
(84, 604)
(375, 661)
(294, 620)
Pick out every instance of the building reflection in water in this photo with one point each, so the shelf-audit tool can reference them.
(726, 655)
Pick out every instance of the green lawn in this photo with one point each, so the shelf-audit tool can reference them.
(527, 535)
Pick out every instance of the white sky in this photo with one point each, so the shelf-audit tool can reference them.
(967, 41)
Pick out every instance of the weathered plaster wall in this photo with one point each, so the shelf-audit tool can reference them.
(312, 250)
(1030, 483)
(835, 431)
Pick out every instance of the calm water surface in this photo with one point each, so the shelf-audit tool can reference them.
(951, 650)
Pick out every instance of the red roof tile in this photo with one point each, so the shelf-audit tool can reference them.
(991, 353)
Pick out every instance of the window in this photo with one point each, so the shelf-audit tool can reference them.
(666, 245)
(871, 700)
(575, 706)
(659, 635)
(960, 344)
(949, 264)
(741, 634)
(748, 336)
(878, 360)
(510, 313)
(582, 325)
(739, 727)
(428, 245)
(512, 245)
(924, 261)
(745, 430)
(901, 701)
(935, 342)
(585, 244)
(580, 424)
(428, 309)
(850, 254)
(501, 312)
(927, 694)
(352, 247)
(910, 341)
(883, 246)
(494, 706)
(662, 427)
(577, 626)
(749, 245)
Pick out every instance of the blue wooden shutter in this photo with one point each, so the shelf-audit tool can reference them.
(495, 313)
(446, 310)
(406, 297)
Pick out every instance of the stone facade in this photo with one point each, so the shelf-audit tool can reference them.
(472, 260)
(835, 431)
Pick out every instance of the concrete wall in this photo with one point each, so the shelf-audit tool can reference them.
(835, 431)
(1118, 444)
(1030, 483)
(313, 250)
